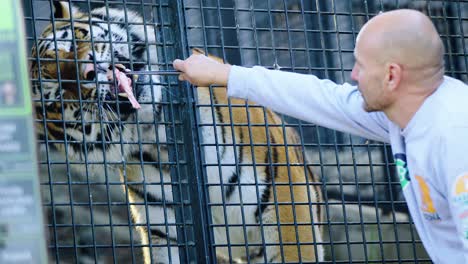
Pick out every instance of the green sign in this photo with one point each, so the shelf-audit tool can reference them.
(22, 238)
(7, 18)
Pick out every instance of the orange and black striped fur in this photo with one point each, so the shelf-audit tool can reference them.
(265, 173)
(263, 200)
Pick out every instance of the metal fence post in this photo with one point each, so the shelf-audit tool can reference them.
(199, 212)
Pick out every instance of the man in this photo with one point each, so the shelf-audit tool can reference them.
(402, 98)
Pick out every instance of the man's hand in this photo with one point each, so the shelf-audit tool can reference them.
(201, 70)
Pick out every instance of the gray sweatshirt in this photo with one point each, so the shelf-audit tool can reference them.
(431, 153)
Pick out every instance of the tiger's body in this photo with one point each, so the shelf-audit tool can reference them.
(252, 173)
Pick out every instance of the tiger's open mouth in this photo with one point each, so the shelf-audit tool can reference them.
(120, 87)
(124, 85)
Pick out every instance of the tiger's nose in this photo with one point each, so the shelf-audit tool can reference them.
(89, 74)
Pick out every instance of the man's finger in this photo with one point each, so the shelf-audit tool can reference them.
(182, 77)
(179, 65)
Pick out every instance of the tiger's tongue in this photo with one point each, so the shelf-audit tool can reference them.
(125, 86)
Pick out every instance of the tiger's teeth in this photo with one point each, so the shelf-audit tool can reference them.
(123, 95)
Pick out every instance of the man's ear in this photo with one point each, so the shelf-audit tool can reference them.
(394, 75)
(62, 10)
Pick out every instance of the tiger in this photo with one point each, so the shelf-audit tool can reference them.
(264, 202)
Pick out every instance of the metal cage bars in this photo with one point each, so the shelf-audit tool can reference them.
(188, 169)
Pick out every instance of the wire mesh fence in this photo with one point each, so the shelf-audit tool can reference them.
(182, 175)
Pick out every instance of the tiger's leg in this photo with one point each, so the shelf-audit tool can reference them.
(62, 218)
(83, 236)
(293, 239)
(163, 247)
(154, 222)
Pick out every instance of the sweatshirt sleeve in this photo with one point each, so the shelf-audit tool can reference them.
(309, 98)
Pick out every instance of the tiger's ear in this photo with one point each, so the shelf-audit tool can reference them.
(200, 51)
(62, 9)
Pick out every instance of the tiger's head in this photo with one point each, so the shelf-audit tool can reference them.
(74, 66)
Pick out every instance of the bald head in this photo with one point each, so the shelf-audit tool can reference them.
(404, 36)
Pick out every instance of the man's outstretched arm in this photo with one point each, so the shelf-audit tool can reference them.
(305, 97)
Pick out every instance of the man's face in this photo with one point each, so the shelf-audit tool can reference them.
(369, 74)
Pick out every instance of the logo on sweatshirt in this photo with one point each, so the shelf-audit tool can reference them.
(464, 224)
(427, 205)
(460, 190)
(402, 169)
(459, 195)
